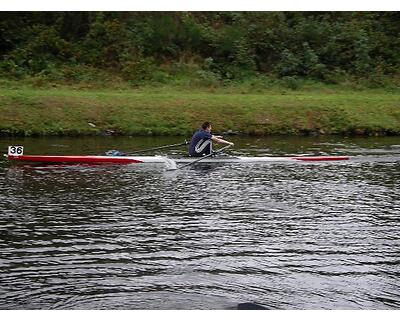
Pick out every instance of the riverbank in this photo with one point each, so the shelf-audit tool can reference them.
(178, 111)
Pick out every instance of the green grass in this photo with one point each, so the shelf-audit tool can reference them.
(178, 111)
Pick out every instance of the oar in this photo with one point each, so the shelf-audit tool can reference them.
(202, 158)
(162, 147)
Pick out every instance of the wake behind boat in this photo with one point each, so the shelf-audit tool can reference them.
(15, 153)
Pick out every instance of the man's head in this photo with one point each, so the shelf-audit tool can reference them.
(206, 126)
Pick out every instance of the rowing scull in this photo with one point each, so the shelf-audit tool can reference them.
(160, 159)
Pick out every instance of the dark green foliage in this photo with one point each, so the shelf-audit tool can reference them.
(212, 48)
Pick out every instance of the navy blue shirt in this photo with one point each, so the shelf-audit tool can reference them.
(201, 144)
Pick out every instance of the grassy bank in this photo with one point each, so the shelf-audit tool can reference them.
(174, 111)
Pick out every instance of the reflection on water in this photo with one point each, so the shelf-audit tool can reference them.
(285, 235)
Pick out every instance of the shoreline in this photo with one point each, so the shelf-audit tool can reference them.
(29, 111)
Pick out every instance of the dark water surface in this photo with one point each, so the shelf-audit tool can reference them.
(284, 235)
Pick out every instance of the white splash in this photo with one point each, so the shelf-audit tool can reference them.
(170, 164)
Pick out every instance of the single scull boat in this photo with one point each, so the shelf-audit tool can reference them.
(15, 153)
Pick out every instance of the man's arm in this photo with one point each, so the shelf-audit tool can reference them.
(218, 139)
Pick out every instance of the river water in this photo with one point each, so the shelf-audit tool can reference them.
(211, 236)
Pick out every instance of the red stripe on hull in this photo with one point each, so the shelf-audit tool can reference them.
(321, 158)
(73, 159)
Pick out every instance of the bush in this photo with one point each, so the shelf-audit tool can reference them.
(206, 78)
(362, 62)
(291, 83)
(138, 70)
(289, 64)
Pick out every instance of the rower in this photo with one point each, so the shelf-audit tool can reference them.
(201, 142)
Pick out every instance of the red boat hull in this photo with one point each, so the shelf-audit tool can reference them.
(321, 158)
(74, 159)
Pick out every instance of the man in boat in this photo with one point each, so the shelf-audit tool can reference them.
(201, 142)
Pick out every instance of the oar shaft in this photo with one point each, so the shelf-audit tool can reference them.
(162, 147)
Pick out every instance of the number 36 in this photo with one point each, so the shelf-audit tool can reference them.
(16, 150)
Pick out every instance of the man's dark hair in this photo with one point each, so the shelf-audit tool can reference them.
(205, 125)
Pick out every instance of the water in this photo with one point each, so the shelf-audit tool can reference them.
(284, 235)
